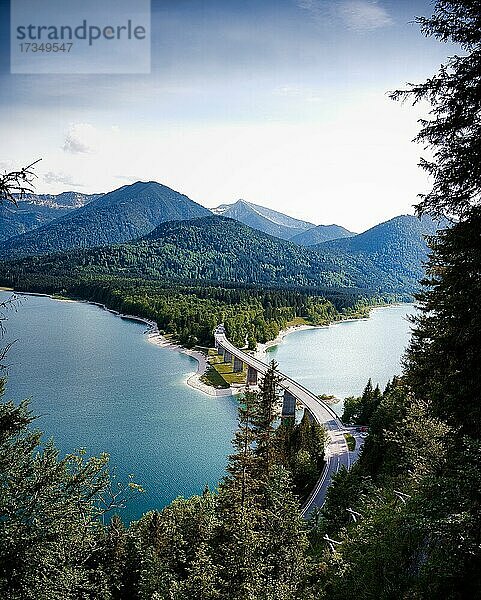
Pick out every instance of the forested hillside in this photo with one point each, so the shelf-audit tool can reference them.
(122, 215)
(397, 247)
(33, 211)
(224, 250)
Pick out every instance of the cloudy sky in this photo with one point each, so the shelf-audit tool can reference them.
(279, 102)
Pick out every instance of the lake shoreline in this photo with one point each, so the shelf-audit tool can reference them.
(155, 337)
(261, 350)
(194, 380)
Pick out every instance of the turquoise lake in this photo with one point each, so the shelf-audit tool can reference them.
(340, 359)
(96, 382)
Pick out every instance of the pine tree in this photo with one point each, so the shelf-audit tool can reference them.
(454, 93)
(49, 526)
(240, 486)
(445, 352)
(237, 541)
(202, 582)
(285, 543)
(264, 416)
(444, 359)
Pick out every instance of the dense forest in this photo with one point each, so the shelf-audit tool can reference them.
(190, 312)
(403, 523)
(223, 250)
(121, 215)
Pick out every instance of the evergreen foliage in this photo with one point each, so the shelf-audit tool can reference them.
(452, 131)
(302, 450)
(444, 359)
(50, 511)
(190, 312)
(121, 215)
(216, 249)
(358, 411)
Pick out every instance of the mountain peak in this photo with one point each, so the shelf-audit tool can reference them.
(263, 219)
(384, 237)
(124, 214)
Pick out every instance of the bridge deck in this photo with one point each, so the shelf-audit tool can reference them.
(337, 453)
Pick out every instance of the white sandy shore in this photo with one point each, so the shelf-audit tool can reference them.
(261, 350)
(155, 337)
(194, 379)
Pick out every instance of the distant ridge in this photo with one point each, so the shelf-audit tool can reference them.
(119, 216)
(397, 247)
(63, 200)
(321, 233)
(264, 219)
(34, 210)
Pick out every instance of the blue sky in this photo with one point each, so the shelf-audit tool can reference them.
(282, 103)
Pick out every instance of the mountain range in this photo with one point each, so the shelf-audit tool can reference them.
(280, 225)
(119, 216)
(151, 231)
(223, 250)
(46, 224)
(33, 211)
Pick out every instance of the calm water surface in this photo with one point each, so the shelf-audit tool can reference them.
(340, 359)
(96, 382)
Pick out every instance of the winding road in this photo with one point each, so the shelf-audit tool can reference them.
(337, 452)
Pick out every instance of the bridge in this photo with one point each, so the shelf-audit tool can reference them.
(337, 453)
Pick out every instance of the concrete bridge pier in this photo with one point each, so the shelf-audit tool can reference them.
(288, 405)
(251, 376)
(238, 365)
(227, 357)
(220, 350)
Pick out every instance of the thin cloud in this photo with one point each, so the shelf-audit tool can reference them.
(52, 177)
(80, 139)
(299, 93)
(129, 178)
(364, 15)
(319, 9)
(7, 165)
(357, 15)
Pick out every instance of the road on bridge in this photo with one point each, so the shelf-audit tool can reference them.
(337, 452)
